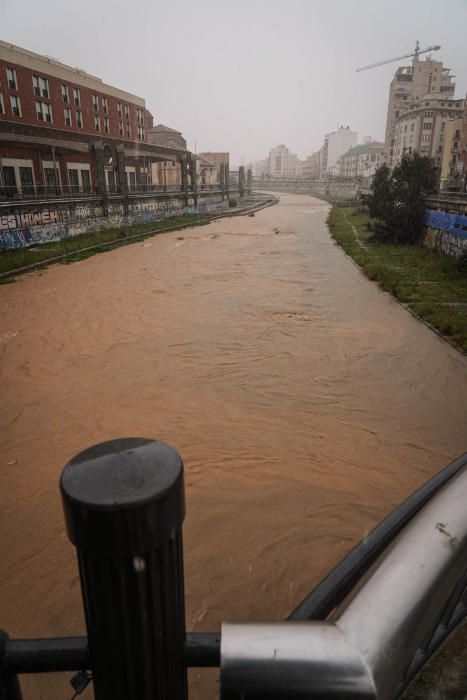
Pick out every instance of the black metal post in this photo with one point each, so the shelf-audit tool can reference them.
(9, 684)
(124, 507)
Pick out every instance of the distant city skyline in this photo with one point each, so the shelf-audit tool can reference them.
(245, 81)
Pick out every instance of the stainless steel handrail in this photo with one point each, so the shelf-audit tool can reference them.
(366, 649)
(398, 606)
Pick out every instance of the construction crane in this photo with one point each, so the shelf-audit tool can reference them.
(415, 54)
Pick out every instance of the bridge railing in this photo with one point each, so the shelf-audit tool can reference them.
(363, 632)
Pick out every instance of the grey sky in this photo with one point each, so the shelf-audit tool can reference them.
(245, 76)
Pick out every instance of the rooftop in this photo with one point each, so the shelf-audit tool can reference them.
(161, 128)
(10, 53)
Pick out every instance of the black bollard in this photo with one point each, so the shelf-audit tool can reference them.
(9, 684)
(124, 507)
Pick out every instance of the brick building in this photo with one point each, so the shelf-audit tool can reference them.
(63, 130)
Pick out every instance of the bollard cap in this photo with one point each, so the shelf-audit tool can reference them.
(123, 497)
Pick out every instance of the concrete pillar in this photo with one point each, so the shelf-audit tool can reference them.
(194, 177)
(222, 178)
(227, 178)
(249, 179)
(241, 180)
(100, 174)
(184, 173)
(122, 176)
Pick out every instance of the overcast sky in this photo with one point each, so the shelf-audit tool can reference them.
(247, 75)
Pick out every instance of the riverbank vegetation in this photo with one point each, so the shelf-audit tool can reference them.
(432, 287)
(397, 201)
(96, 242)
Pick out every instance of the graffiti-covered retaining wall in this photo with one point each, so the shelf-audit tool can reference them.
(446, 233)
(23, 226)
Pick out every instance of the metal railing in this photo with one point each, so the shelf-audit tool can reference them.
(13, 194)
(363, 632)
(449, 195)
(42, 191)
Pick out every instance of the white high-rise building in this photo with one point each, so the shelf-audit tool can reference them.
(336, 144)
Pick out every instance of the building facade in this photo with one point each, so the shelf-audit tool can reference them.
(207, 173)
(452, 166)
(63, 130)
(259, 168)
(282, 163)
(336, 144)
(311, 167)
(362, 161)
(421, 127)
(409, 85)
(220, 161)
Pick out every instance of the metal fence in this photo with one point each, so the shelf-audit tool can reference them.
(34, 192)
(363, 632)
(12, 194)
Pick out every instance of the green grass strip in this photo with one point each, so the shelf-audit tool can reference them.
(431, 286)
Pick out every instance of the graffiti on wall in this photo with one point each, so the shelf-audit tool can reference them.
(20, 221)
(32, 228)
(445, 233)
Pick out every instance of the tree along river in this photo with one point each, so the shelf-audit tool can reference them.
(305, 402)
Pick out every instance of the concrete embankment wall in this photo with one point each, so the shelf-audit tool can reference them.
(338, 190)
(23, 225)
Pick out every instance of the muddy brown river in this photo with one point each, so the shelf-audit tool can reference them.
(306, 404)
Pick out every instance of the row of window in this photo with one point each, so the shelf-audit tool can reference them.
(41, 89)
(66, 95)
(20, 177)
(69, 118)
(44, 114)
(427, 126)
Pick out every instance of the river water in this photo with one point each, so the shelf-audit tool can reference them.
(306, 403)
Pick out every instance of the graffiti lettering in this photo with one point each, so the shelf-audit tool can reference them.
(19, 221)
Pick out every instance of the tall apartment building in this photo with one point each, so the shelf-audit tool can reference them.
(282, 163)
(336, 143)
(63, 129)
(409, 85)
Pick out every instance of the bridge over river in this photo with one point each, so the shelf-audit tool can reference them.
(305, 402)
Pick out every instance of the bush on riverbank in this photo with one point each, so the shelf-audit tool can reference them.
(397, 202)
(432, 287)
